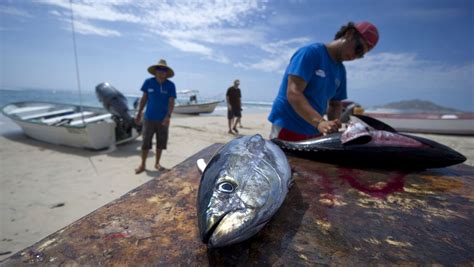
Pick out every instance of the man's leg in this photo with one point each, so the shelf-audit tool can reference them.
(158, 157)
(147, 136)
(141, 168)
(237, 121)
(237, 114)
(161, 144)
(240, 119)
(230, 118)
(230, 125)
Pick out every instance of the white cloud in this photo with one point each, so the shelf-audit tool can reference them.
(404, 71)
(86, 28)
(95, 10)
(83, 26)
(188, 25)
(276, 64)
(12, 11)
(227, 36)
(188, 46)
(284, 45)
(278, 55)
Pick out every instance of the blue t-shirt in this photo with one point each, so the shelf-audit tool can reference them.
(325, 79)
(158, 97)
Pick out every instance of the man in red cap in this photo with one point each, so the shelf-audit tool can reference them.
(314, 84)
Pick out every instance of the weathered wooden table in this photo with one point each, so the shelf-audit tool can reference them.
(332, 215)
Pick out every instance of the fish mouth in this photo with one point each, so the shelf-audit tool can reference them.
(210, 230)
(229, 228)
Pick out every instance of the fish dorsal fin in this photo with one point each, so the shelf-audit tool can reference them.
(201, 164)
(256, 143)
(374, 123)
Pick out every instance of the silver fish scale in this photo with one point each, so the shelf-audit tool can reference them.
(253, 175)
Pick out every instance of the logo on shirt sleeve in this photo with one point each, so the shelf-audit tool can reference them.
(151, 90)
(320, 73)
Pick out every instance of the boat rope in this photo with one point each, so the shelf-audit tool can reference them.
(78, 78)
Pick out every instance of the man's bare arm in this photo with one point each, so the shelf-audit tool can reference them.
(141, 106)
(296, 98)
(298, 101)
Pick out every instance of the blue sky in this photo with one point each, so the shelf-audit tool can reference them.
(426, 47)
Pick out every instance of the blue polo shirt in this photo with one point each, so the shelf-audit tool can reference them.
(325, 78)
(158, 97)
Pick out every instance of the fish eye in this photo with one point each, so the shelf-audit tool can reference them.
(225, 187)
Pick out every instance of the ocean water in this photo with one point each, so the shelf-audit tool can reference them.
(89, 98)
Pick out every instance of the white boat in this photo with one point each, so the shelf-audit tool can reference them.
(69, 125)
(461, 123)
(188, 102)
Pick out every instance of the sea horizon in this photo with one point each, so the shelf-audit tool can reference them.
(88, 98)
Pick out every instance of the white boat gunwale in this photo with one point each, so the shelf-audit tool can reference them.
(52, 121)
(15, 117)
(59, 112)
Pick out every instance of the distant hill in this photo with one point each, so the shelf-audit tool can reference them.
(420, 105)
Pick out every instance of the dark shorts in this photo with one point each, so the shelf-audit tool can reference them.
(151, 128)
(235, 112)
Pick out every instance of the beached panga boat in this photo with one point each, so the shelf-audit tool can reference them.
(413, 121)
(188, 102)
(74, 125)
(445, 123)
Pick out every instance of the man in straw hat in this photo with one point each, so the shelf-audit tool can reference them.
(158, 96)
(315, 83)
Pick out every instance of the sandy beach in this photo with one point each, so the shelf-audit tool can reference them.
(46, 187)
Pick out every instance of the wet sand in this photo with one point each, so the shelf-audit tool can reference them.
(46, 187)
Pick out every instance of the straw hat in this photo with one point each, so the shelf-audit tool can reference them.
(161, 63)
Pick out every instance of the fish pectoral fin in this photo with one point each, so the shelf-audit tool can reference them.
(201, 164)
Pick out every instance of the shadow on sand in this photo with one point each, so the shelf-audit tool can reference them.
(128, 149)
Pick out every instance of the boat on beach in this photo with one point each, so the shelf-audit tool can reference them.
(188, 102)
(74, 125)
(443, 123)
(69, 125)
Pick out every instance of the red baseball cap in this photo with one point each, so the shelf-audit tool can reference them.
(369, 32)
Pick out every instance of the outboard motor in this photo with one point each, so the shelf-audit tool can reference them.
(116, 103)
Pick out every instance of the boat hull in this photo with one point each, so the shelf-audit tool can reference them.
(92, 136)
(196, 108)
(95, 131)
(421, 123)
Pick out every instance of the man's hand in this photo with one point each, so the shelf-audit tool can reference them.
(327, 127)
(138, 118)
(166, 121)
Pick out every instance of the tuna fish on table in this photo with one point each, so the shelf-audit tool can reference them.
(247, 180)
(241, 188)
(368, 142)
